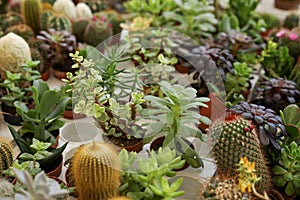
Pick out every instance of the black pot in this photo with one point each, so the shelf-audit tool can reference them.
(10, 115)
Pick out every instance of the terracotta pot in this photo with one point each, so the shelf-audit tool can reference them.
(45, 76)
(287, 5)
(182, 69)
(59, 74)
(158, 143)
(133, 145)
(216, 108)
(69, 114)
(10, 115)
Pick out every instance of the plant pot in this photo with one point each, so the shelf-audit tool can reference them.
(77, 133)
(45, 76)
(69, 114)
(59, 74)
(158, 142)
(216, 108)
(55, 169)
(182, 69)
(10, 115)
(130, 145)
(287, 5)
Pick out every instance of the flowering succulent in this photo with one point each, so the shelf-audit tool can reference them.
(278, 93)
(269, 125)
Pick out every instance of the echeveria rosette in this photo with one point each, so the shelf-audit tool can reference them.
(269, 125)
(287, 171)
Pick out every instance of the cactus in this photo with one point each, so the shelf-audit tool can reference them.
(291, 21)
(119, 198)
(14, 51)
(6, 154)
(6, 189)
(235, 138)
(10, 19)
(37, 56)
(31, 10)
(44, 18)
(96, 5)
(95, 170)
(59, 23)
(22, 30)
(78, 27)
(96, 32)
(65, 7)
(83, 11)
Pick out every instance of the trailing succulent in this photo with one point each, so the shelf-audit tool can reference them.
(270, 127)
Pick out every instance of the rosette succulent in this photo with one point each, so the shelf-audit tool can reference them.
(269, 125)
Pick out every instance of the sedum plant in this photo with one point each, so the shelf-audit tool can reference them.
(147, 178)
(287, 171)
(176, 116)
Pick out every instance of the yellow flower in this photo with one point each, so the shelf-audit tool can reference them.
(247, 175)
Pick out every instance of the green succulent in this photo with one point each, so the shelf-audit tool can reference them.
(144, 178)
(287, 171)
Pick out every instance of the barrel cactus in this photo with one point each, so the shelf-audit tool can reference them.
(22, 30)
(83, 11)
(59, 23)
(66, 7)
(232, 139)
(14, 51)
(31, 10)
(6, 154)
(95, 169)
(10, 19)
(78, 28)
(44, 18)
(97, 31)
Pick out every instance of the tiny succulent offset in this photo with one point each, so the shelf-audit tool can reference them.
(269, 125)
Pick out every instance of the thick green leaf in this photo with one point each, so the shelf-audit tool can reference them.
(59, 109)
(52, 158)
(278, 170)
(48, 102)
(291, 114)
(22, 144)
(289, 189)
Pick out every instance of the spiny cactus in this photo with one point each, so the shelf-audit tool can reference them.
(31, 10)
(10, 19)
(78, 27)
(6, 154)
(97, 31)
(66, 7)
(119, 198)
(83, 11)
(59, 23)
(232, 139)
(44, 18)
(22, 30)
(291, 21)
(225, 190)
(14, 51)
(95, 169)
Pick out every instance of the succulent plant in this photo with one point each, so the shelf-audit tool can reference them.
(221, 58)
(277, 93)
(78, 27)
(59, 22)
(65, 7)
(287, 171)
(14, 52)
(227, 189)
(233, 138)
(31, 10)
(6, 189)
(57, 45)
(146, 178)
(9, 19)
(22, 30)
(269, 125)
(39, 187)
(95, 169)
(6, 151)
(291, 21)
(83, 10)
(291, 118)
(271, 20)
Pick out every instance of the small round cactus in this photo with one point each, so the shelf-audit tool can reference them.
(22, 30)
(95, 169)
(14, 51)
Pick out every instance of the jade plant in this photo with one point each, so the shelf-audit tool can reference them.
(291, 118)
(176, 116)
(143, 178)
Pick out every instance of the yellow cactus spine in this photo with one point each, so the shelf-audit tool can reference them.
(95, 170)
(6, 154)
